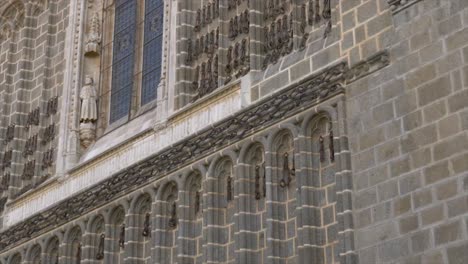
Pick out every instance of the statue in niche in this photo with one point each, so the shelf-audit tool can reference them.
(93, 44)
(88, 114)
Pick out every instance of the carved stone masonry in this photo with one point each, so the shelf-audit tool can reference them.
(52, 106)
(28, 170)
(100, 251)
(48, 158)
(399, 5)
(206, 15)
(288, 172)
(33, 118)
(5, 183)
(249, 121)
(122, 236)
(238, 60)
(30, 147)
(173, 215)
(93, 44)
(10, 133)
(278, 40)
(147, 225)
(49, 134)
(7, 156)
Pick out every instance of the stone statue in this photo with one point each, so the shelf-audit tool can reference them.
(88, 96)
(93, 44)
(88, 114)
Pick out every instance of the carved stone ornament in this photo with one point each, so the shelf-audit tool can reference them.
(30, 146)
(52, 106)
(5, 183)
(399, 5)
(173, 215)
(100, 250)
(28, 170)
(49, 134)
(48, 159)
(10, 133)
(147, 225)
(122, 236)
(33, 118)
(289, 102)
(93, 43)
(288, 172)
(7, 156)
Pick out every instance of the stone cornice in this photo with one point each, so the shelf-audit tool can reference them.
(288, 102)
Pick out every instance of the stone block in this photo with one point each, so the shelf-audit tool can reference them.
(420, 40)
(349, 20)
(446, 190)
(383, 113)
(397, 248)
(420, 76)
(436, 172)
(457, 254)
(365, 198)
(402, 205)
(408, 223)
(422, 198)
(453, 145)
(366, 11)
(412, 120)
(299, 70)
(421, 241)
(434, 90)
(457, 40)
(458, 101)
(379, 23)
(387, 190)
(409, 182)
(432, 215)
(434, 111)
(274, 83)
(457, 206)
(447, 233)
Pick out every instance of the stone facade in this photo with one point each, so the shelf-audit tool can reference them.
(305, 131)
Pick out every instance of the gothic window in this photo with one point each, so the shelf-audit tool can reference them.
(152, 49)
(134, 72)
(123, 58)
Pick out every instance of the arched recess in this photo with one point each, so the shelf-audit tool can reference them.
(190, 230)
(252, 210)
(282, 207)
(318, 190)
(139, 231)
(73, 246)
(115, 238)
(51, 252)
(34, 254)
(167, 224)
(94, 241)
(15, 259)
(220, 216)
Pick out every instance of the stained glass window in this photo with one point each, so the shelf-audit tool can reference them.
(123, 58)
(154, 13)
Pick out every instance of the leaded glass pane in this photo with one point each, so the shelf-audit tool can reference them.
(123, 58)
(152, 4)
(152, 49)
(151, 79)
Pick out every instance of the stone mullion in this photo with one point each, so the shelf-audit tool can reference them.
(344, 187)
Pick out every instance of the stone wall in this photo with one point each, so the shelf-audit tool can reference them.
(408, 132)
(31, 79)
(245, 177)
